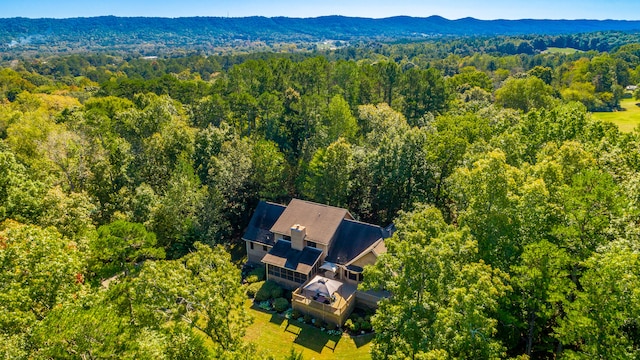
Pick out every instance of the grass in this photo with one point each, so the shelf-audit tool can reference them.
(274, 335)
(627, 120)
(556, 50)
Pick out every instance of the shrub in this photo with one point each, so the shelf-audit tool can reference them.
(252, 289)
(319, 323)
(365, 325)
(280, 304)
(331, 326)
(269, 290)
(295, 314)
(265, 305)
(287, 314)
(256, 275)
(276, 291)
(352, 325)
(307, 318)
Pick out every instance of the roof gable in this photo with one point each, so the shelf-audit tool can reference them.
(353, 239)
(263, 218)
(321, 221)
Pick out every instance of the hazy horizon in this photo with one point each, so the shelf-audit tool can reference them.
(488, 10)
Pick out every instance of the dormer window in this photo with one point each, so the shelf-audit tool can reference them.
(286, 237)
(311, 244)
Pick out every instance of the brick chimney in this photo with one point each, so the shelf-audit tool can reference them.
(298, 232)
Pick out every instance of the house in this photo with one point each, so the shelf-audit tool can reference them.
(319, 251)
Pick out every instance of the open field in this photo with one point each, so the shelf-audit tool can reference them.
(626, 120)
(555, 50)
(272, 334)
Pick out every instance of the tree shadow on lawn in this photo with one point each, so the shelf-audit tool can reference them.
(362, 340)
(275, 317)
(311, 337)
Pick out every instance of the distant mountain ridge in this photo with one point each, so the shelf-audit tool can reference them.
(206, 33)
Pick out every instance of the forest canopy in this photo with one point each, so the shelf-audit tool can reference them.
(127, 182)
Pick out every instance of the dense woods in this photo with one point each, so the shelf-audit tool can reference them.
(153, 35)
(126, 182)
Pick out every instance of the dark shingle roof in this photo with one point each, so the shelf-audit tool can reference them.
(353, 238)
(265, 215)
(282, 255)
(321, 221)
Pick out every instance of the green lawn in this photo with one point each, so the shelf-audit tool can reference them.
(274, 335)
(627, 120)
(555, 50)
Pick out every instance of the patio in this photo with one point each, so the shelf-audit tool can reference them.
(326, 299)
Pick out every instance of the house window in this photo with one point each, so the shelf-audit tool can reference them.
(287, 274)
(265, 248)
(353, 276)
(251, 245)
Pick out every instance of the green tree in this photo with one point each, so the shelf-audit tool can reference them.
(329, 174)
(431, 270)
(543, 73)
(524, 94)
(339, 120)
(468, 78)
(602, 321)
(175, 218)
(270, 170)
(39, 270)
(202, 289)
(121, 245)
(424, 91)
(541, 289)
(486, 197)
(20, 196)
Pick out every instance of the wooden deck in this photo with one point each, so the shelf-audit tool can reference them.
(335, 312)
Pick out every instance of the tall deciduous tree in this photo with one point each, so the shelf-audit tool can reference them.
(202, 289)
(339, 120)
(39, 271)
(603, 320)
(487, 196)
(437, 286)
(329, 175)
(524, 94)
(542, 288)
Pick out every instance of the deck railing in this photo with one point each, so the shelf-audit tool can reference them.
(337, 310)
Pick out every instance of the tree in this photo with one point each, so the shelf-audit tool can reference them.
(486, 197)
(468, 78)
(543, 73)
(329, 174)
(431, 270)
(589, 206)
(602, 321)
(524, 94)
(175, 218)
(339, 121)
(424, 92)
(202, 289)
(20, 196)
(270, 171)
(122, 245)
(541, 289)
(39, 270)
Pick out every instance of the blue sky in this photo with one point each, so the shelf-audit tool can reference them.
(451, 9)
